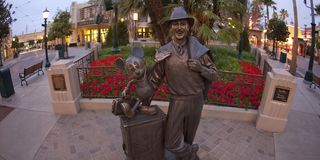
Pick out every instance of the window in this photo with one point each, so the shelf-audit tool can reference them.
(144, 32)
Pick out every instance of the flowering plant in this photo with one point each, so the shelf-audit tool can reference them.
(232, 89)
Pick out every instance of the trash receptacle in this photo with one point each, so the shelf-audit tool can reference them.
(60, 49)
(6, 85)
(89, 45)
(283, 57)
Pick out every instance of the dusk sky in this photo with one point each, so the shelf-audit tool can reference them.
(29, 12)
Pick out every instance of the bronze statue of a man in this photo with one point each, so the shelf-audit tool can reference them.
(189, 70)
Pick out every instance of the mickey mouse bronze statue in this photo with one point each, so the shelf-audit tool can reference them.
(135, 68)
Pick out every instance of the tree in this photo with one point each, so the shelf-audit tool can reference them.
(268, 3)
(15, 42)
(123, 33)
(255, 13)
(284, 14)
(61, 27)
(317, 8)
(277, 31)
(153, 8)
(5, 22)
(246, 43)
(123, 37)
(293, 65)
(206, 13)
(109, 37)
(21, 44)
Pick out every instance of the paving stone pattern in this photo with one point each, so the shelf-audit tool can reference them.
(96, 135)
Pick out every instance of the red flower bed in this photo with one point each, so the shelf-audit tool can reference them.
(249, 68)
(232, 89)
(106, 62)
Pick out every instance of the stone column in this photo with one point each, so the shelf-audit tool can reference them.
(263, 56)
(64, 87)
(96, 48)
(279, 90)
(253, 50)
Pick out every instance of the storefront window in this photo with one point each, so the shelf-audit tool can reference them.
(144, 32)
(92, 35)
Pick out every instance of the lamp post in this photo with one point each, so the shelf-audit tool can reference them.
(305, 31)
(241, 38)
(45, 15)
(309, 75)
(135, 19)
(265, 33)
(115, 43)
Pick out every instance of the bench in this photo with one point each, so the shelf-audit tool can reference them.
(315, 82)
(29, 71)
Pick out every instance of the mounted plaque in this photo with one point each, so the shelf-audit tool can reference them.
(59, 83)
(281, 94)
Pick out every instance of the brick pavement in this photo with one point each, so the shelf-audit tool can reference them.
(97, 136)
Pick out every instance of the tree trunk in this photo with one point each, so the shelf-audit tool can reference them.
(155, 10)
(293, 65)
(273, 47)
(1, 64)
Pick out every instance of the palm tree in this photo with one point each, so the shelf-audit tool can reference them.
(255, 12)
(268, 3)
(205, 12)
(283, 14)
(293, 64)
(153, 8)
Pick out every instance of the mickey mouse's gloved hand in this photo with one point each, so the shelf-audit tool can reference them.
(124, 92)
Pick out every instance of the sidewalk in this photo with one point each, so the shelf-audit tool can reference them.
(303, 63)
(32, 131)
(24, 129)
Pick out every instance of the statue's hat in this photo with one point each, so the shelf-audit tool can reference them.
(179, 13)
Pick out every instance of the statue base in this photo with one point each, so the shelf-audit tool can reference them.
(143, 136)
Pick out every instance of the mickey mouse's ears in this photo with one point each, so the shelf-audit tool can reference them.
(137, 52)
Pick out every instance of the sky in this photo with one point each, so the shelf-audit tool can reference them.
(304, 13)
(29, 12)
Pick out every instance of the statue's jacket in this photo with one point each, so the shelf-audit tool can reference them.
(182, 81)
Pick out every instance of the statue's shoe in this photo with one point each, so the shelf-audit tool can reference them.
(148, 110)
(126, 109)
(194, 150)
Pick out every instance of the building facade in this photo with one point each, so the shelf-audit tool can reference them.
(5, 48)
(27, 38)
(84, 25)
(85, 29)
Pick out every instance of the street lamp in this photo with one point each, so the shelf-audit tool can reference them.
(135, 19)
(45, 16)
(265, 33)
(309, 75)
(305, 31)
(241, 37)
(115, 43)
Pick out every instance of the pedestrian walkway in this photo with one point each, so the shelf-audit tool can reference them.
(24, 129)
(32, 131)
(303, 63)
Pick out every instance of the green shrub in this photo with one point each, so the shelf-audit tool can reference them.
(224, 59)
(123, 33)
(126, 52)
(246, 43)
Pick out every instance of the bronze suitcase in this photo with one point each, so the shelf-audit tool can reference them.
(143, 136)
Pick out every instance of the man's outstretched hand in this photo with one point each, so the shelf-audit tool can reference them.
(194, 65)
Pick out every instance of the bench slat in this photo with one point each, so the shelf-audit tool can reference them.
(27, 72)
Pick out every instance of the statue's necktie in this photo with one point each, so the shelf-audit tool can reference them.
(180, 50)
